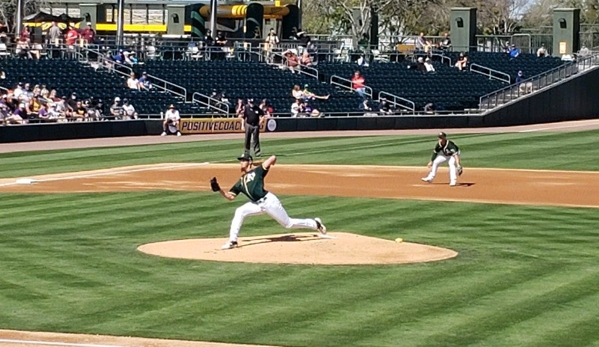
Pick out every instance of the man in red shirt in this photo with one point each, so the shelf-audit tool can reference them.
(358, 85)
(72, 36)
(88, 34)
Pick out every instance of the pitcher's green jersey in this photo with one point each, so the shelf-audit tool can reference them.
(251, 184)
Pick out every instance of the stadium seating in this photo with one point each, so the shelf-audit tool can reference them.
(529, 64)
(239, 79)
(68, 76)
(448, 88)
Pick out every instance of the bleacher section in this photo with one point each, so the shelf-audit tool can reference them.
(239, 79)
(68, 76)
(529, 64)
(448, 88)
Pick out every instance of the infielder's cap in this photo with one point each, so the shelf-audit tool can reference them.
(442, 135)
(245, 156)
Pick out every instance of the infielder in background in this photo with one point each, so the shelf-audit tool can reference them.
(252, 118)
(445, 151)
(261, 201)
(171, 122)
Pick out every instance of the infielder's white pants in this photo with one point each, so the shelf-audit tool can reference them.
(270, 205)
(440, 159)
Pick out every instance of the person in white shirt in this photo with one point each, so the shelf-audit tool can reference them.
(428, 64)
(542, 51)
(171, 122)
(296, 108)
(128, 110)
(132, 82)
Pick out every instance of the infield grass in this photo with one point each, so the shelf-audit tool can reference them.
(525, 276)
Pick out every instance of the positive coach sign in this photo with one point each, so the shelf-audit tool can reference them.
(219, 125)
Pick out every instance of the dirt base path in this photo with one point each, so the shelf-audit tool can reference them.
(529, 187)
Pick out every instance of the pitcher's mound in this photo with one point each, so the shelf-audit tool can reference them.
(302, 248)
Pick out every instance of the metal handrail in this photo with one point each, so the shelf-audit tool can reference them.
(491, 73)
(175, 89)
(443, 58)
(333, 81)
(394, 100)
(303, 69)
(211, 104)
(538, 82)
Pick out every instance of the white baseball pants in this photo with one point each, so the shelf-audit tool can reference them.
(440, 159)
(270, 205)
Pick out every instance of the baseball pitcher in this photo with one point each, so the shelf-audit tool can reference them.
(445, 151)
(261, 201)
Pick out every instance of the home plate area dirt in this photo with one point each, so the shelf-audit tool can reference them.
(525, 187)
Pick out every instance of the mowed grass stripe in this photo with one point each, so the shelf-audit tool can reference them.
(545, 297)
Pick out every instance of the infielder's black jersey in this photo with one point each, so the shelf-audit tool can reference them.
(449, 149)
(251, 184)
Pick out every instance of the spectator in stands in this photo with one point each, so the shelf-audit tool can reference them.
(385, 107)
(429, 108)
(445, 44)
(54, 34)
(34, 106)
(525, 87)
(462, 62)
(222, 97)
(420, 65)
(128, 110)
(119, 57)
(130, 58)
(298, 108)
(422, 44)
(297, 93)
(268, 110)
(171, 122)
(366, 108)
(584, 51)
(428, 64)
(19, 116)
(221, 39)
(44, 113)
(25, 35)
(306, 60)
(239, 108)
(61, 108)
(72, 36)
(542, 51)
(23, 50)
(304, 39)
(208, 39)
(88, 34)
(358, 84)
(272, 40)
(132, 82)
(116, 109)
(144, 82)
(100, 109)
(80, 112)
(308, 95)
(514, 52)
(362, 61)
(291, 60)
(71, 105)
(4, 108)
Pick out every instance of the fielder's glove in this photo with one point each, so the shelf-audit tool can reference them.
(460, 170)
(214, 185)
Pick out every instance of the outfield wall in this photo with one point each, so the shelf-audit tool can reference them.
(571, 100)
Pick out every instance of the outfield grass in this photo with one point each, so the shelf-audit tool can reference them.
(526, 276)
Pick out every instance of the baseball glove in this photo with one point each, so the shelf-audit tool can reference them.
(214, 185)
(460, 170)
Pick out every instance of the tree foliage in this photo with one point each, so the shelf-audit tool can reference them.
(8, 11)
